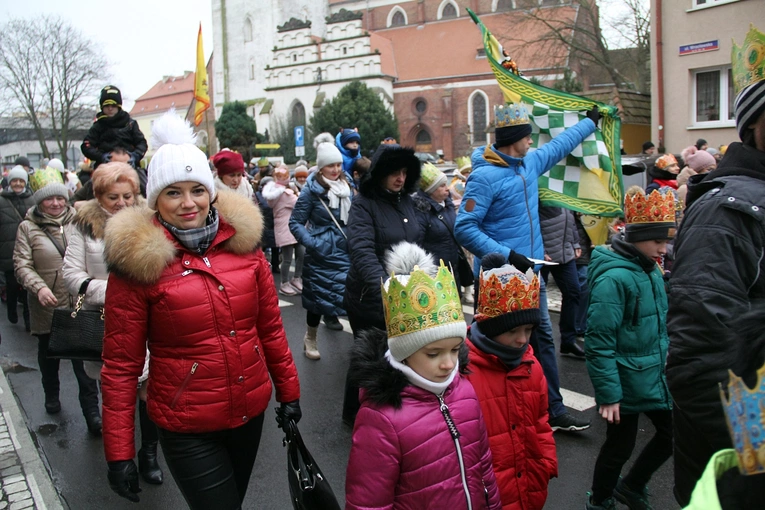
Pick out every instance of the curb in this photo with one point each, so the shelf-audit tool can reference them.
(21, 451)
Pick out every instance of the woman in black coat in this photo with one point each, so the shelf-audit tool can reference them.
(382, 215)
(324, 206)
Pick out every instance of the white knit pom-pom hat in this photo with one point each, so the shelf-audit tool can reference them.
(177, 159)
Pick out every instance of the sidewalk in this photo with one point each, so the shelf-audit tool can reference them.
(24, 481)
(554, 297)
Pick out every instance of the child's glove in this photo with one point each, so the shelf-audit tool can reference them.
(520, 262)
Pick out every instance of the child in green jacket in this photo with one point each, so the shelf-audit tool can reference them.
(626, 347)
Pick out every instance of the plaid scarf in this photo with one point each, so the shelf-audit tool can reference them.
(199, 239)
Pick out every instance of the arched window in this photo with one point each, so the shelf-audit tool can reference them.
(478, 120)
(247, 30)
(447, 9)
(526, 4)
(503, 5)
(397, 17)
(252, 69)
(298, 114)
(422, 141)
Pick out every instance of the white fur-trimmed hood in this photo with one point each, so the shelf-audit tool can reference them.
(136, 247)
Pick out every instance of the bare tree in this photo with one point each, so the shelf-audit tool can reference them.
(592, 33)
(49, 72)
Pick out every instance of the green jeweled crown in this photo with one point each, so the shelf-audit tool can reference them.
(512, 114)
(422, 303)
(44, 176)
(748, 60)
(745, 411)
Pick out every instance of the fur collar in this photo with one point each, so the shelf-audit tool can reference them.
(383, 384)
(91, 218)
(139, 248)
(386, 160)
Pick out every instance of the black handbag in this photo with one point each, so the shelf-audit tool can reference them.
(463, 269)
(77, 333)
(309, 490)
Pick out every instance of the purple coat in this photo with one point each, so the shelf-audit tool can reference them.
(403, 455)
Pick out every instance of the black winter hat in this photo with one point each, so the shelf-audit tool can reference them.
(21, 160)
(508, 135)
(387, 159)
(647, 145)
(110, 95)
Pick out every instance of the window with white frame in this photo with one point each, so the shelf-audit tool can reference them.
(478, 115)
(713, 96)
(709, 3)
(397, 17)
(247, 29)
(447, 9)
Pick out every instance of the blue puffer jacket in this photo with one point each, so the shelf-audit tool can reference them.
(348, 159)
(438, 238)
(499, 211)
(326, 251)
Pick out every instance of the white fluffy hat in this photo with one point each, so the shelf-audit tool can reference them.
(326, 152)
(177, 159)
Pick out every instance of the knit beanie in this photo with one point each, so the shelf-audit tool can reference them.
(57, 164)
(348, 135)
(23, 161)
(649, 217)
(648, 145)
(18, 172)
(326, 151)
(750, 104)
(47, 182)
(697, 159)
(228, 162)
(421, 301)
(301, 171)
(177, 158)
(263, 162)
(110, 95)
(431, 178)
(282, 175)
(507, 298)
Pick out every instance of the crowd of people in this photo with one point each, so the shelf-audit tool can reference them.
(187, 259)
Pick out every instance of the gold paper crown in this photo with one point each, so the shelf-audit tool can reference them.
(512, 114)
(44, 176)
(422, 303)
(506, 293)
(748, 60)
(429, 175)
(745, 413)
(655, 208)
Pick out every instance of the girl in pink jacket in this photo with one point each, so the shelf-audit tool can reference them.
(419, 440)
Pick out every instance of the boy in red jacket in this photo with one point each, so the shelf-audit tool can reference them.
(510, 384)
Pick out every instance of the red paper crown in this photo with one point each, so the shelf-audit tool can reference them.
(654, 208)
(496, 298)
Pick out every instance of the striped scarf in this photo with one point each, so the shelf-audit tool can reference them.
(199, 239)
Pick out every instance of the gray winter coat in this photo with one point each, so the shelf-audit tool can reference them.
(13, 208)
(559, 233)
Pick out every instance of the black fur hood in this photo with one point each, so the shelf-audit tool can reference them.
(386, 160)
(381, 382)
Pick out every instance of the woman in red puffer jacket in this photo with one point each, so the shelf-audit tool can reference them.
(190, 280)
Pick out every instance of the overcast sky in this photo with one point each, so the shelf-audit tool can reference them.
(143, 39)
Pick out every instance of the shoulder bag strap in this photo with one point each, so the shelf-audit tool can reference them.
(461, 253)
(55, 242)
(332, 216)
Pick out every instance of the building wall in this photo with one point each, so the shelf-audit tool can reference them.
(684, 25)
(634, 135)
(31, 149)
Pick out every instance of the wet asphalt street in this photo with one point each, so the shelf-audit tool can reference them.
(77, 464)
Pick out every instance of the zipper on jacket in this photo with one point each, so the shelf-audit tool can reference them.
(456, 438)
(486, 493)
(528, 210)
(207, 262)
(185, 383)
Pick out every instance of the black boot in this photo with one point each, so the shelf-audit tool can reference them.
(94, 423)
(147, 455)
(52, 404)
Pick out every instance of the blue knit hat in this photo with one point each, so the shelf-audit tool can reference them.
(349, 135)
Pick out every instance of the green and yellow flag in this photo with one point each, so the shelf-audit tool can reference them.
(201, 94)
(589, 180)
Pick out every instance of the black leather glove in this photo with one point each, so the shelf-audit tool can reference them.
(123, 479)
(288, 411)
(520, 262)
(594, 115)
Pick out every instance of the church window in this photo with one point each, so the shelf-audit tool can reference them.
(504, 5)
(526, 4)
(397, 17)
(252, 69)
(298, 114)
(247, 30)
(478, 118)
(420, 106)
(422, 141)
(294, 57)
(345, 50)
(448, 9)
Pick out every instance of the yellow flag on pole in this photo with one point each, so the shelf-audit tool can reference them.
(201, 94)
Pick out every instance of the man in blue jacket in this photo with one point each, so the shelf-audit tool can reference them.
(500, 213)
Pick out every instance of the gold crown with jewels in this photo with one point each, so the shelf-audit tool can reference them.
(512, 114)
(748, 60)
(745, 413)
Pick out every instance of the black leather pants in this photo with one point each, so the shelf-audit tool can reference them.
(212, 469)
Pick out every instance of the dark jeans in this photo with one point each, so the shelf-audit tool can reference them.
(544, 349)
(351, 402)
(313, 319)
(584, 300)
(49, 371)
(15, 293)
(616, 451)
(567, 279)
(212, 469)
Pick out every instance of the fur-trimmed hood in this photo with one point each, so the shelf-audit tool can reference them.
(383, 384)
(91, 217)
(139, 248)
(386, 160)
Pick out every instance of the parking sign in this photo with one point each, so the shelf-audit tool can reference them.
(299, 138)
